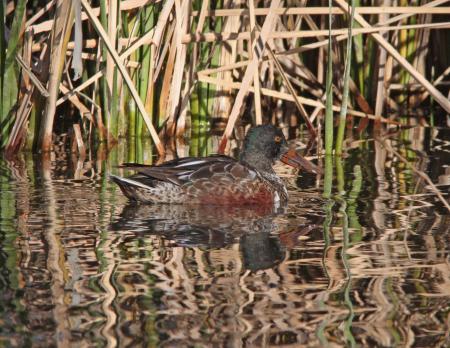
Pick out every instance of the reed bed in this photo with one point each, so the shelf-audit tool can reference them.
(102, 71)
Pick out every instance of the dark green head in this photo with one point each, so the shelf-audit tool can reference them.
(267, 141)
(264, 145)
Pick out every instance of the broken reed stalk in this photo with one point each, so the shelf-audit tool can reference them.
(348, 62)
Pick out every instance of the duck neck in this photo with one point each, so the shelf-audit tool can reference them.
(258, 161)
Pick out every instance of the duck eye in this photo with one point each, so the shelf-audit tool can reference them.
(277, 139)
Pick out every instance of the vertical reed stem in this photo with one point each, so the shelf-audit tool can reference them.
(328, 176)
(329, 90)
(103, 83)
(147, 22)
(358, 47)
(343, 111)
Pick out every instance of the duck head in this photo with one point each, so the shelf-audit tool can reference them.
(266, 144)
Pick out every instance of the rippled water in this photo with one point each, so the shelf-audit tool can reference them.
(369, 267)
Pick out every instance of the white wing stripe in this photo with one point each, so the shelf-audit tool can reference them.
(131, 182)
(192, 163)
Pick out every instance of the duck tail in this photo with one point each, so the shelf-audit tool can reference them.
(128, 187)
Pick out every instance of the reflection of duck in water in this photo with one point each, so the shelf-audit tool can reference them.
(259, 230)
(218, 180)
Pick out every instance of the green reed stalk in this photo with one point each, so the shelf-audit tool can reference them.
(352, 203)
(11, 257)
(139, 149)
(329, 91)
(204, 105)
(142, 79)
(328, 209)
(103, 83)
(391, 293)
(328, 176)
(203, 143)
(32, 129)
(343, 111)
(202, 116)
(404, 43)
(340, 176)
(195, 122)
(147, 152)
(2, 52)
(114, 121)
(106, 199)
(152, 334)
(348, 284)
(209, 54)
(370, 57)
(9, 74)
(2, 42)
(132, 116)
(147, 22)
(196, 93)
(369, 61)
(358, 49)
(7, 216)
(340, 197)
(411, 42)
(403, 46)
(116, 124)
(210, 90)
(150, 97)
(327, 187)
(35, 123)
(320, 332)
(130, 105)
(206, 93)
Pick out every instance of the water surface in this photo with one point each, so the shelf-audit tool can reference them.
(80, 266)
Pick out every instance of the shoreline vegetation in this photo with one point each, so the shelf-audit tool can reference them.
(106, 70)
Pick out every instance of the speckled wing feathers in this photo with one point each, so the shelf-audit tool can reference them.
(180, 171)
(217, 180)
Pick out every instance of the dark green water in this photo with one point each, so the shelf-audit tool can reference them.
(369, 267)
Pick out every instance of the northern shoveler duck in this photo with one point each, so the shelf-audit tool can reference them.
(218, 179)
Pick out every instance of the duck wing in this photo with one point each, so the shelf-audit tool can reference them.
(191, 169)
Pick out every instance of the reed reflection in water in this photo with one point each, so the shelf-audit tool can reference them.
(81, 267)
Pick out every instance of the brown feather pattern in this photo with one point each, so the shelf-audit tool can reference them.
(218, 180)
